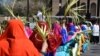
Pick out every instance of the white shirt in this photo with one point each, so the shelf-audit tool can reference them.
(41, 16)
(95, 30)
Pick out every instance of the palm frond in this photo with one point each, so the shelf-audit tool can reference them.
(42, 31)
(70, 5)
(47, 15)
(35, 18)
(73, 11)
(9, 9)
(79, 7)
(48, 19)
(75, 14)
(44, 10)
(14, 4)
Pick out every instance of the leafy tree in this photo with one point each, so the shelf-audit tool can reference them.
(20, 7)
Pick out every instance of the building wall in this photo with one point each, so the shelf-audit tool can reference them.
(93, 8)
(55, 7)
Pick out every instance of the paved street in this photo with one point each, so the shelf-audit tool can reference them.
(94, 50)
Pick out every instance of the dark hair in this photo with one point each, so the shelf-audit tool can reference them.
(62, 21)
(26, 24)
(70, 20)
(83, 23)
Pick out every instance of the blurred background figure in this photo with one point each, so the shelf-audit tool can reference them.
(28, 30)
(95, 33)
(40, 16)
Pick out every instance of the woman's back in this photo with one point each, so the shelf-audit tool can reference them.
(16, 42)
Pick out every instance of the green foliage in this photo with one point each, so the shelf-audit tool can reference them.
(42, 30)
(69, 10)
(10, 9)
(47, 14)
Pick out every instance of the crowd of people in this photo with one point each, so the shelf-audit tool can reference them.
(61, 39)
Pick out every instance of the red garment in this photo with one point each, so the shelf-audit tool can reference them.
(28, 31)
(57, 28)
(54, 38)
(43, 24)
(54, 41)
(36, 37)
(13, 42)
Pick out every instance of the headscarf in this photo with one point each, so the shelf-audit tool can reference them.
(28, 31)
(64, 34)
(57, 28)
(71, 27)
(14, 42)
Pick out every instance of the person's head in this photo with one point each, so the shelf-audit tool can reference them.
(56, 21)
(88, 24)
(84, 23)
(70, 20)
(14, 29)
(63, 21)
(96, 23)
(26, 24)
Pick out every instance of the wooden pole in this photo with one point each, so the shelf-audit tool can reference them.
(88, 8)
(98, 4)
(27, 10)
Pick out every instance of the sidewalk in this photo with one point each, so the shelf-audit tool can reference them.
(94, 50)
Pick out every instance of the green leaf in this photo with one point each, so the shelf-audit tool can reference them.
(10, 10)
(70, 5)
